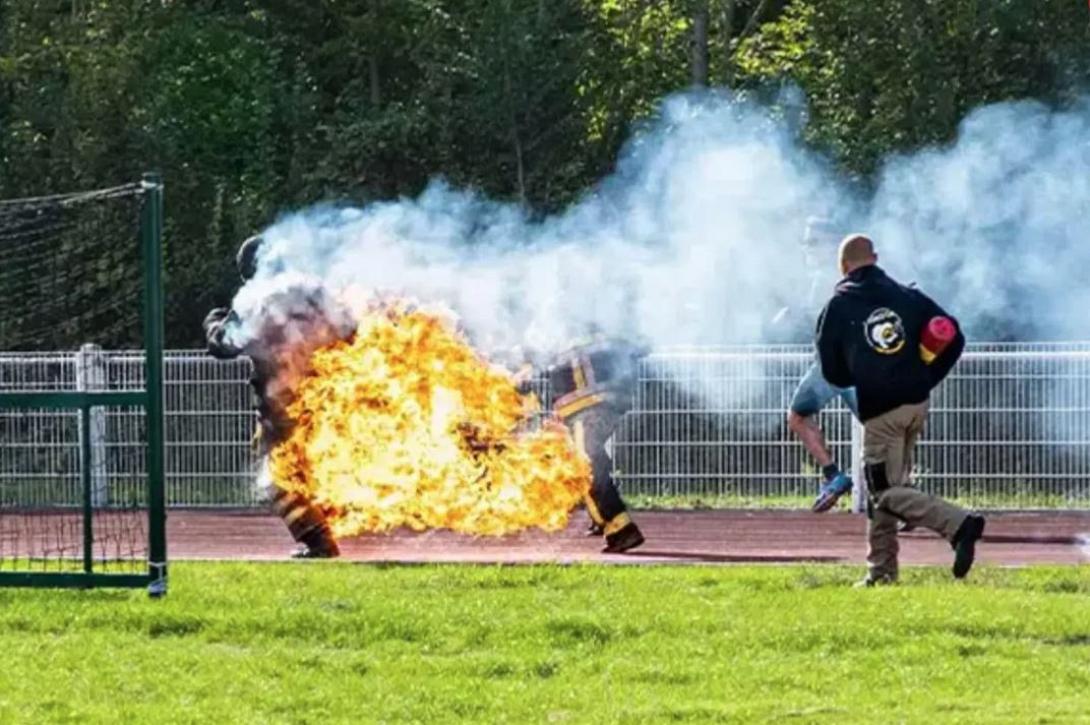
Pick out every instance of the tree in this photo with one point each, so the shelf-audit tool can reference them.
(250, 107)
(894, 75)
(700, 44)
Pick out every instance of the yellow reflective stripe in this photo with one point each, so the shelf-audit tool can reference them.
(926, 355)
(282, 502)
(295, 515)
(592, 509)
(569, 409)
(617, 523)
(578, 374)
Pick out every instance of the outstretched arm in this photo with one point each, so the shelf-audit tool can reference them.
(216, 327)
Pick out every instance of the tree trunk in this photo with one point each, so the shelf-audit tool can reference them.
(759, 16)
(374, 77)
(700, 44)
(516, 137)
(376, 85)
(728, 41)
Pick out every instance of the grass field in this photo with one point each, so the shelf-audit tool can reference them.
(317, 643)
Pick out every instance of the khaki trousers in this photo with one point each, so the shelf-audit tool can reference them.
(888, 444)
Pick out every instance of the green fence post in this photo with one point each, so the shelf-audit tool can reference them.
(151, 238)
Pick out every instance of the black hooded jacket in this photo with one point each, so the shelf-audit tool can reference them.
(868, 336)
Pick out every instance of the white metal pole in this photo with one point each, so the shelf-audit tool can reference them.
(91, 375)
(859, 489)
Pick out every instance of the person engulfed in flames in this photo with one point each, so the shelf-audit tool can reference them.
(592, 386)
(279, 339)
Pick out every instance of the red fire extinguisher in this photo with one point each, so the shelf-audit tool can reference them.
(937, 335)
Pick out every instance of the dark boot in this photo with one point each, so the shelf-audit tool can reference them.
(628, 537)
(317, 544)
(595, 529)
(964, 543)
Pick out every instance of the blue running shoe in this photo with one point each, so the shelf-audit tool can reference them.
(831, 492)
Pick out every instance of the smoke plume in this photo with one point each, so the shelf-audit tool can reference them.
(696, 237)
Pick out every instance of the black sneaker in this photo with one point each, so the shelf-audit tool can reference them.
(904, 527)
(964, 544)
(317, 544)
(595, 530)
(305, 552)
(628, 537)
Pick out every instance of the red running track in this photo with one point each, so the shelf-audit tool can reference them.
(690, 537)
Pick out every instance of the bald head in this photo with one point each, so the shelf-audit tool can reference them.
(856, 251)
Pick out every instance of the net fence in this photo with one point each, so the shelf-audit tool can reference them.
(71, 271)
(1009, 429)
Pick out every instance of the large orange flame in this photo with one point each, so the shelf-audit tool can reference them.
(406, 425)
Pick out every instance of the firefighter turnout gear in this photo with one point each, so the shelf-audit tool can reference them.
(306, 523)
(279, 337)
(593, 385)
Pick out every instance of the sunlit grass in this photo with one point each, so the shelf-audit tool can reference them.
(337, 642)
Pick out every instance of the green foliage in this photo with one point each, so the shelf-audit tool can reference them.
(249, 108)
(352, 643)
(893, 75)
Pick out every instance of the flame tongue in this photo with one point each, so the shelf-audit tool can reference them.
(407, 426)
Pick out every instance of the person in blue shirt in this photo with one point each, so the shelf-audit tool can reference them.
(814, 391)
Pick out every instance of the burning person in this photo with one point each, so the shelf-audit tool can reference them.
(592, 386)
(279, 334)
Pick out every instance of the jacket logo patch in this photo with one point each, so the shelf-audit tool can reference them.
(884, 331)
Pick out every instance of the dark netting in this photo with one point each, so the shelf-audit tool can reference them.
(42, 490)
(71, 281)
(70, 270)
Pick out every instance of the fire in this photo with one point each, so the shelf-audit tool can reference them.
(406, 425)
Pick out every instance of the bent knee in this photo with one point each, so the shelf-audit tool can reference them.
(797, 421)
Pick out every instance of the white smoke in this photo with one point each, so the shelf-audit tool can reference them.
(695, 239)
(997, 224)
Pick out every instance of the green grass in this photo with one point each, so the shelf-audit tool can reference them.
(318, 643)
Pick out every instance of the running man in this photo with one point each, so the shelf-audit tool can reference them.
(814, 391)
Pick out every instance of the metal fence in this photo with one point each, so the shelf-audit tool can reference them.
(208, 427)
(1009, 429)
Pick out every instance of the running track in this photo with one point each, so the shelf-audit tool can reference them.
(690, 537)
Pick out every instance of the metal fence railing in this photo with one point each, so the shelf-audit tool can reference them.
(711, 423)
(208, 427)
(1009, 429)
